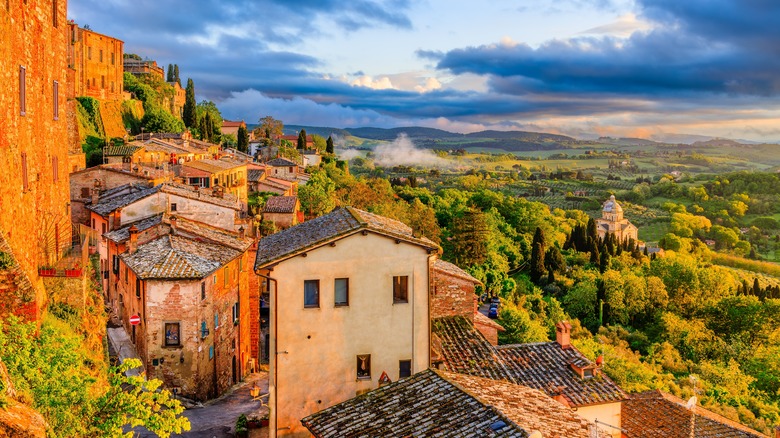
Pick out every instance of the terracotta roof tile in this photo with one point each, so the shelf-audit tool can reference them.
(121, 150)
(530, 408)
(543, 366)
(111, 200)
(340, 222)
(281, 162)
(280, 204)
(423, 405)
(655, 413)
(122, 234)
(451, 269)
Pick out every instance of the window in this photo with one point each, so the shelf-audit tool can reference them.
(126, 272)
(215, 278)
(235, 313)
(203, 291)
(363, 366)
(211, 352)
(404, 368)
(291, 169)
(311, 293)
(173, 206)
(103, 77)
(172, 338)
(226, 275)
(138, 287)
(112, 63)
(25, 180)
(216, 321)
(587, 373)
(56, 101)
(204, 330)
(54, 13)
(22, 90)
(401, 289)
(115, 264)
(89, 52)
(55, 171)
(101, 55)
(85, 194)
(341, 291)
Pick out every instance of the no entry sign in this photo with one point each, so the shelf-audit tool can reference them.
(135, 320)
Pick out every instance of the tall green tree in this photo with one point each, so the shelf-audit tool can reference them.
(169, 77)
(537, 255)
(189, 113)
(329, 145)
(269, 128)
(470, 231)
(242, 142)
(176, 74)
(302, 139)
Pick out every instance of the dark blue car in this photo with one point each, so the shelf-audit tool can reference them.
(493, 312)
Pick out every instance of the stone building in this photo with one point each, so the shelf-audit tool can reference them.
(283, 211)
(349, 307)
(225, 173)
(95, 61)
(189, 284)
(34, 192)
(138, 67)
(231, 127)
(176, 103)
(282, 168)
(613, 222)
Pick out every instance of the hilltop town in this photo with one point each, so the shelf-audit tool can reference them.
(156, 258)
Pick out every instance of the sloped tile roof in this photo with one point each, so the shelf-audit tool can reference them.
(451, 269)
(546, 366)
(176, 257)
(423, 405)
(281, 162)
(465, 350)
(254, 174)
(280, 204)
(122, 234)
(121, 150)
(109, 202)
(655, 413)
(530, 408)
(479, 318)
(543, 366)
(205, 195)
(213, 166)
(338, 223)
(202, 232)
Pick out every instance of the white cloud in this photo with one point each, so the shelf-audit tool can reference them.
(382, 83)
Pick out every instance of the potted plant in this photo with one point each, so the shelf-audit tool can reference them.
(74, 271)
(253, 422)
(47, 271)
(241, 426)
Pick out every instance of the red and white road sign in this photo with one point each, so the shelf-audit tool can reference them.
(135, 320)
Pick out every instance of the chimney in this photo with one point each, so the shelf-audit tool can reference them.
(95, 196)
(132, 244)
(174, 224)
(117, 220)
(241, 232)
(562, 332)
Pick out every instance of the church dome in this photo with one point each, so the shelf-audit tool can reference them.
(611, 206)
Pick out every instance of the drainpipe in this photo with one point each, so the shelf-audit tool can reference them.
(275, 316)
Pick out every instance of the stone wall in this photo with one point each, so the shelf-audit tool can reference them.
(97, 63)
(34, 180)
(452, 296)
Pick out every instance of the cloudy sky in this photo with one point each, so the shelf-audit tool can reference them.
(608, 67)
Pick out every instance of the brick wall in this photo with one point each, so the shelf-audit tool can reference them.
(33, 39)
(452, 296)
(97, 63)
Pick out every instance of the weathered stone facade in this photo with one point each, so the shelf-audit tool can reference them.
(96, 60)
(34, 215)
(453, 292)
(82, 184)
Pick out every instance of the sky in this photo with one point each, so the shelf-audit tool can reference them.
(620, 68)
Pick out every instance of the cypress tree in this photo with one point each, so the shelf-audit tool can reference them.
(242, 142)
(176, 74)
(189, 113)
(329, 145)
(603, 262)
(537, 262)
(302, 139)
(169, 78)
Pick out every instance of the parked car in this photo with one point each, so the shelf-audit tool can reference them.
(493, 312)
(495, 300)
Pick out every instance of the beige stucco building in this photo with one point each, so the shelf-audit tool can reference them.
(349, 305)
(613, 222)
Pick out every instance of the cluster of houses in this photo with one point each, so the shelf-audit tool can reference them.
(365, 330)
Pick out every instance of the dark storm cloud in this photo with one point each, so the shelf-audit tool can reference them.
(697, 47)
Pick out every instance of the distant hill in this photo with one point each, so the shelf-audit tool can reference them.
(412, 131)
(627, 141)
(522, 136)
(322, 131)
(717, 142)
